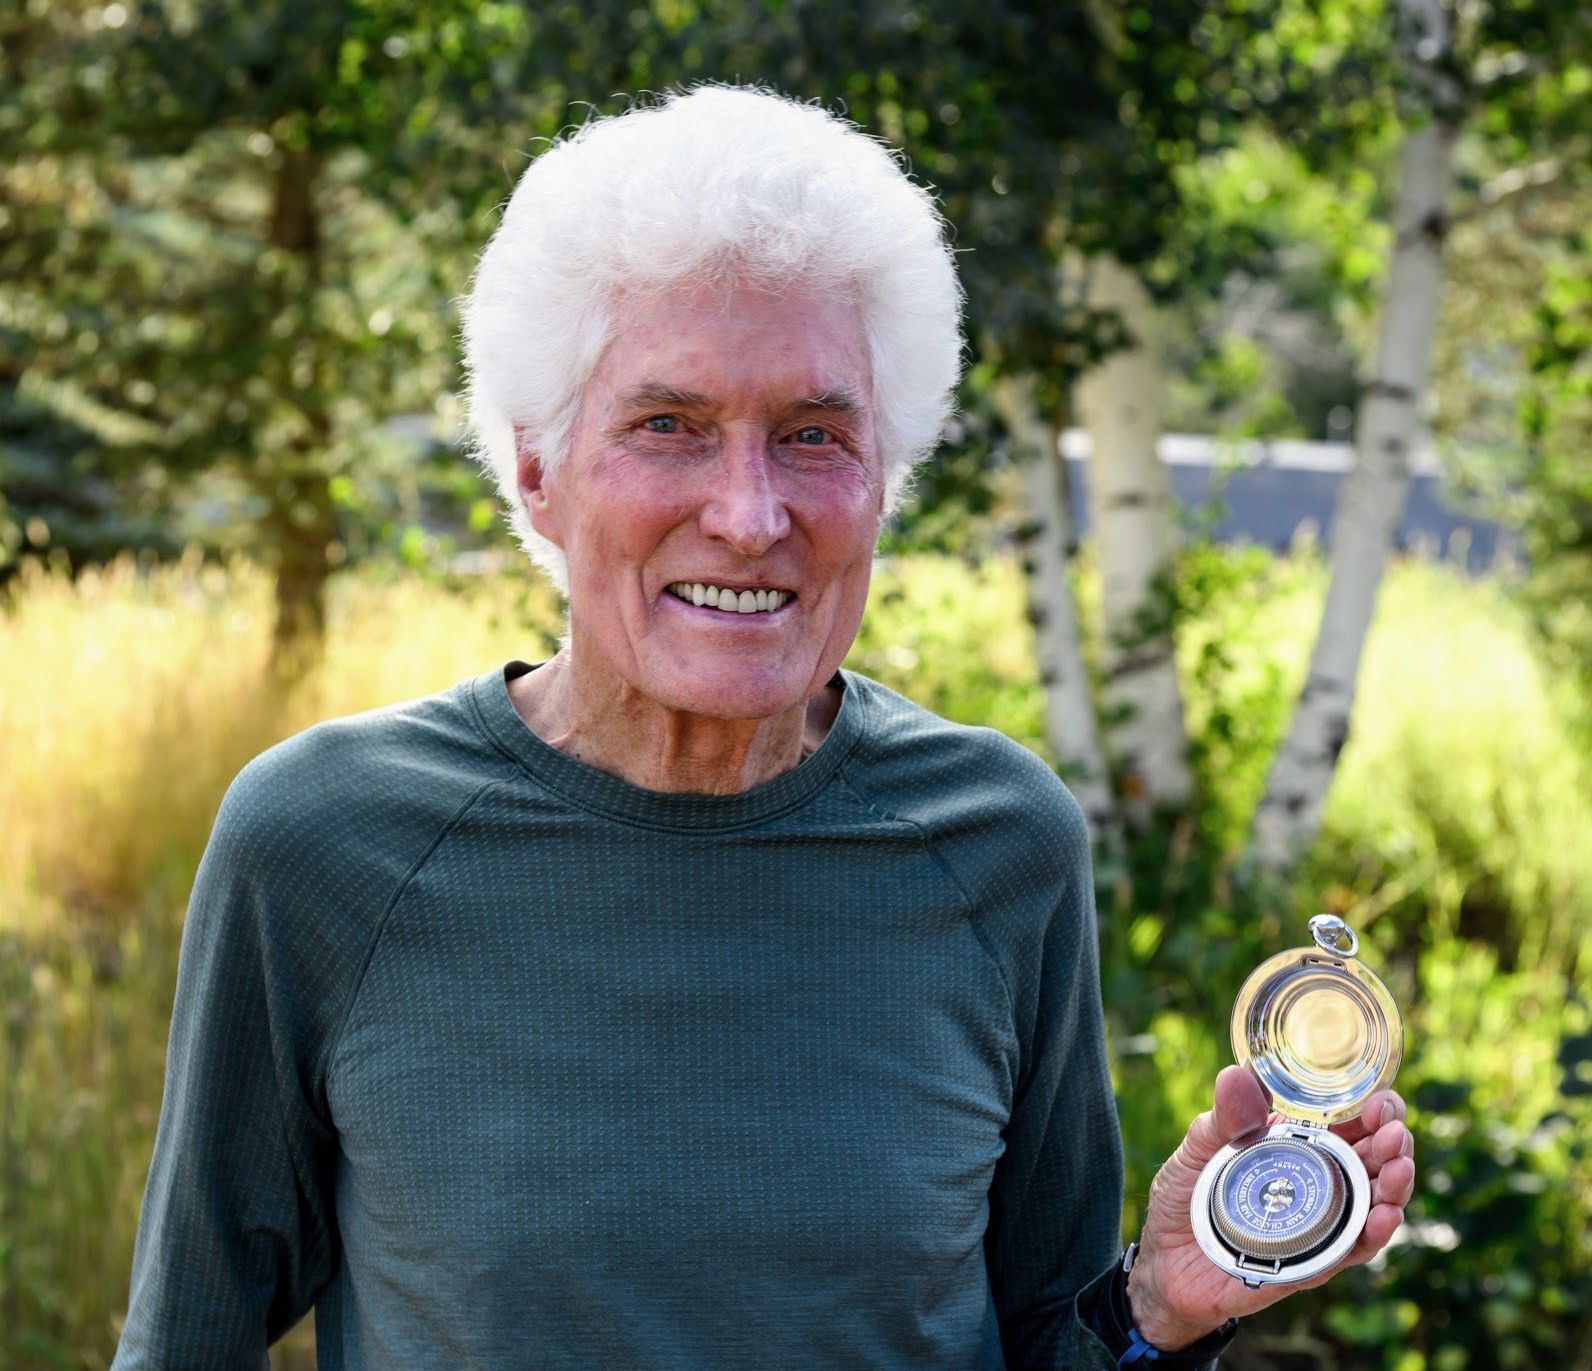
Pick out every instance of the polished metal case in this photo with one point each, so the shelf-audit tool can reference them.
(1322, 1034)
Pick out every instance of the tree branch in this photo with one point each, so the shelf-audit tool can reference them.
(1515, 184)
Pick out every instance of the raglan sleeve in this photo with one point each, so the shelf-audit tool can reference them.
(236, 1236)
(1056, 1198)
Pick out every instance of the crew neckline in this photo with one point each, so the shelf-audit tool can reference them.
(603, 793)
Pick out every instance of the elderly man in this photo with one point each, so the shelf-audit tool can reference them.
(685, 1000)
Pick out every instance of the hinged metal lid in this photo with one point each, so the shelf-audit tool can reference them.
(1318, 1027)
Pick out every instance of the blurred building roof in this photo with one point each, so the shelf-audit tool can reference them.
(1275, 492)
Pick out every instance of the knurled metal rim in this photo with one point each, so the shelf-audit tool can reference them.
(1255, 1270)
(1288, 1245)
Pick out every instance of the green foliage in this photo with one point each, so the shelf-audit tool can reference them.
(1514, 379)
(1035, 184)
(1498, 1258)
(915, 637)
(1451, 841)
(229, 239)
(242, 230)
(1553, 495)
(1272, 348)
(1499, 1234)
(1229, 603)
(81, 1061)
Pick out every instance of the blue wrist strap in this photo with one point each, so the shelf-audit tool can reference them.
(1139, 1353)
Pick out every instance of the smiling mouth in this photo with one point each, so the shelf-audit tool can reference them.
(727, 599)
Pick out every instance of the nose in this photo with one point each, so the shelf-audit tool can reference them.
(745, 507)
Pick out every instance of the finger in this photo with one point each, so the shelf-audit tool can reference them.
(1239, 1107)
(1380, 1226)
(1390, 1141)
(1396, 1183)
(1392, 1106)
(1381, 1109)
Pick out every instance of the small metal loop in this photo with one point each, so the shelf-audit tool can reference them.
(1332, 934)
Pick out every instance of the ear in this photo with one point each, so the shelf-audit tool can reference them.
(536, 491)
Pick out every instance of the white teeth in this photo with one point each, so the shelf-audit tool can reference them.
(727, 600)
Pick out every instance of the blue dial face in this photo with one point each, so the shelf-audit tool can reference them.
(1280, 1187)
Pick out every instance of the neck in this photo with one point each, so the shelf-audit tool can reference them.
(602, 720)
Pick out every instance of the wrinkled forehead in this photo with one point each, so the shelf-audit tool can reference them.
(743, 347)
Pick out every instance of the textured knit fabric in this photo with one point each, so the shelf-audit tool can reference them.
(496, 1060)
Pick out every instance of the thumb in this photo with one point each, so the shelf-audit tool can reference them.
(1240, 1107)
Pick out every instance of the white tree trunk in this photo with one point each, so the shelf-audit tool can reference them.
(1136, 537)
(1046, 539)
(1370, 502)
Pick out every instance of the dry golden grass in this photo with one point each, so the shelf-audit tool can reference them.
(130, 698)
(128, 701)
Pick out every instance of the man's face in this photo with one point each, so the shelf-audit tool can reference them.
(724, 440)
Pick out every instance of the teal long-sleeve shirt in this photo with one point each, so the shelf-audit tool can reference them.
(496, 1060)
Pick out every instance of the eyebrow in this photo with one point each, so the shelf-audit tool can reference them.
(847, 402)
(651, 393)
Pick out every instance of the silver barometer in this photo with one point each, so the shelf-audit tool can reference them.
(1322, 1034)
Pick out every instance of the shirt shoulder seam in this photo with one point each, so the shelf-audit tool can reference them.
(939, 859)
(346, 1012)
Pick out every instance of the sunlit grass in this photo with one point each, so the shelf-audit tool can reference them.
(125, 700)
(130, 698)
(1464, 776)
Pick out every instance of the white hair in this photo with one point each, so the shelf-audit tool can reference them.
(719, 184)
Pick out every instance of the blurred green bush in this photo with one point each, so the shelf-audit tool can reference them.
(1454, 840)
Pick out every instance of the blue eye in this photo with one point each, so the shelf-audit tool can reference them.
(812, 435)
(662, 423)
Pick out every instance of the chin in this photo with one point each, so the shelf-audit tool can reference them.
(737, 694)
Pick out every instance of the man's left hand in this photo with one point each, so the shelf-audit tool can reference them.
(1178, 1295)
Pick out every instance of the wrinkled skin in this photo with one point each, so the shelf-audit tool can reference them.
(725, 437)
(1178, 1295)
